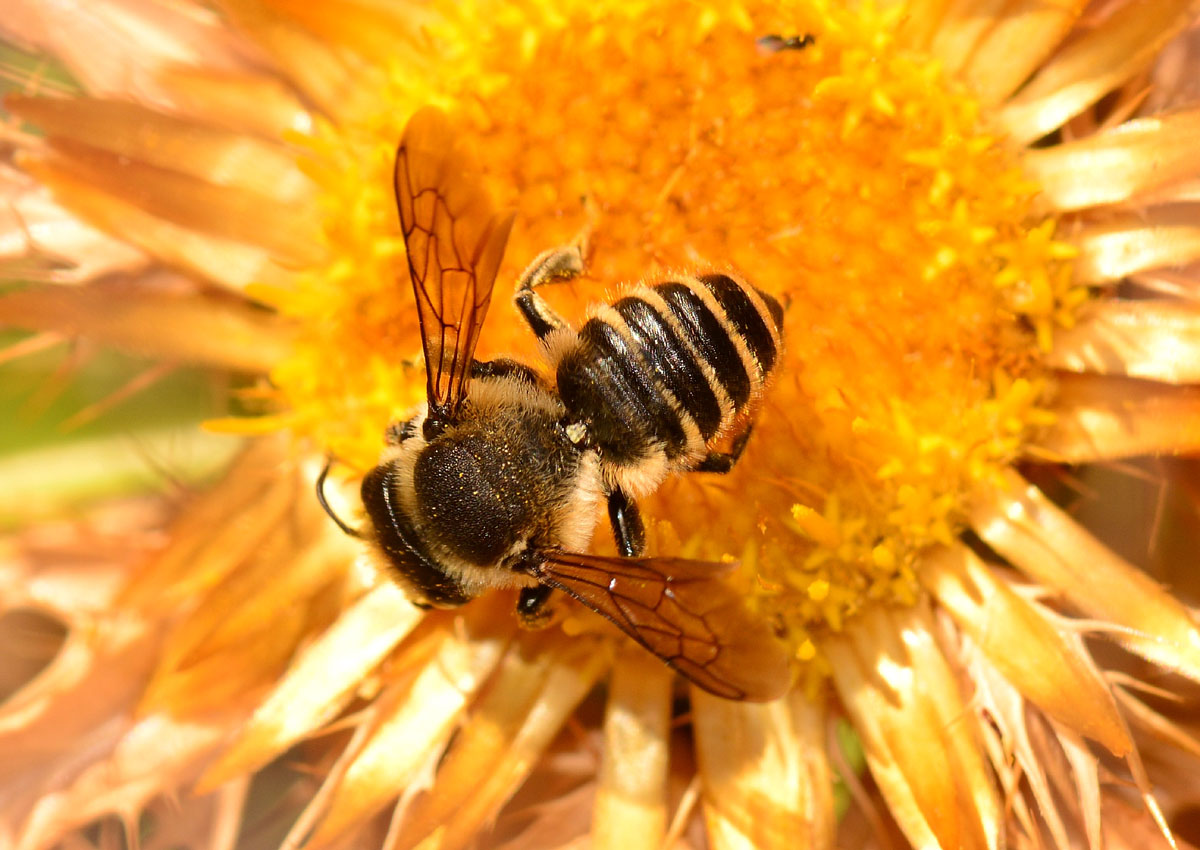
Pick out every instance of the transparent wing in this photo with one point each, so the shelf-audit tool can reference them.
(682, 612)
(455, 241)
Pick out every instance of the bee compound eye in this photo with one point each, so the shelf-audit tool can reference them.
(431, 428)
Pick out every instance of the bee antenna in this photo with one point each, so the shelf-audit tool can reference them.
(353, 532)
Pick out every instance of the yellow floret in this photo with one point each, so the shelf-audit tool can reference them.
(851, 179)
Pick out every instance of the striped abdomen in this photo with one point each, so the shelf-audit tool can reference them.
(668, 368)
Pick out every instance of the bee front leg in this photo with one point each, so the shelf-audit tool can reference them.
(553, 266)
(532, 607)
(627, 526)
(504, 367)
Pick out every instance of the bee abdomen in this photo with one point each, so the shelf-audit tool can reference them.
(671, 365)
(672, 361)
(605, 381)
(733, 329)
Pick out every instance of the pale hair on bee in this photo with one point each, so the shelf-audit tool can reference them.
(498, 481)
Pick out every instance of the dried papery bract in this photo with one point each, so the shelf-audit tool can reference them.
(631, 803)
(904, 701)
(513, 721)
(1049, 668)
(1021, 524)
(339, 661)
(767, 779)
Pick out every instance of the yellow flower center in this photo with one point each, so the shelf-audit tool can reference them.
(850, 178)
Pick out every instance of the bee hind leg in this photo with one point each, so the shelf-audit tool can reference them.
(553, 266)
(722, 462)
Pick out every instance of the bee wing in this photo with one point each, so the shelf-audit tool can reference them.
(455, 241)
(682, 612)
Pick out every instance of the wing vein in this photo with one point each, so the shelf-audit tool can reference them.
(455, 240)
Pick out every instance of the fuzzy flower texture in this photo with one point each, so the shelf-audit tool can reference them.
(982, 220)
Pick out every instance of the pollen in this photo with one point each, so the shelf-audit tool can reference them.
(850, 178)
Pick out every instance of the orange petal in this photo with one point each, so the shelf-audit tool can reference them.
(903, 699)
(1012, 750)
(1049, 668)
(631, 802)
(212, 681)
(1098, 61)
(1157, 237)
(219, 529)
(922, 22)
(1023, 525)
(383, 33)
(320, 681)
(241, 630)
(1115, 165)
(415, 720)
(255, 598)
(539, 683)
(767, 781)
(123, 781)
(79, 575)
(1156, 340)
(220, 157)
(964, 24)
(244, 102)
(1019, 40)
(337, 84)
(1105, 418)
(74, 751)
(287, 228)
(1085, 770)
(115, 48)
(187, 327)
(96, 675)
(34, 226)
(1174, 736)
(231, 263)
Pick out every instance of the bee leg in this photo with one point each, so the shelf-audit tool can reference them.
(627, 526)
(557, 264)
(532, 610)
(553, 266)
(503, 367)
(722, 462)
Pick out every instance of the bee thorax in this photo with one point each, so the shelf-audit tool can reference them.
(490, 487)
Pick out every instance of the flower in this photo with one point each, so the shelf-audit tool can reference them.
(957, 206)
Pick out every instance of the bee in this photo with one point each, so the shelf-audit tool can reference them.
(497, 482)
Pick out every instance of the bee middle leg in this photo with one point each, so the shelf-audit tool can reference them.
(533, 609)
(627, 526)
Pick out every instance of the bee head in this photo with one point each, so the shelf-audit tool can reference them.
(395, 531)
